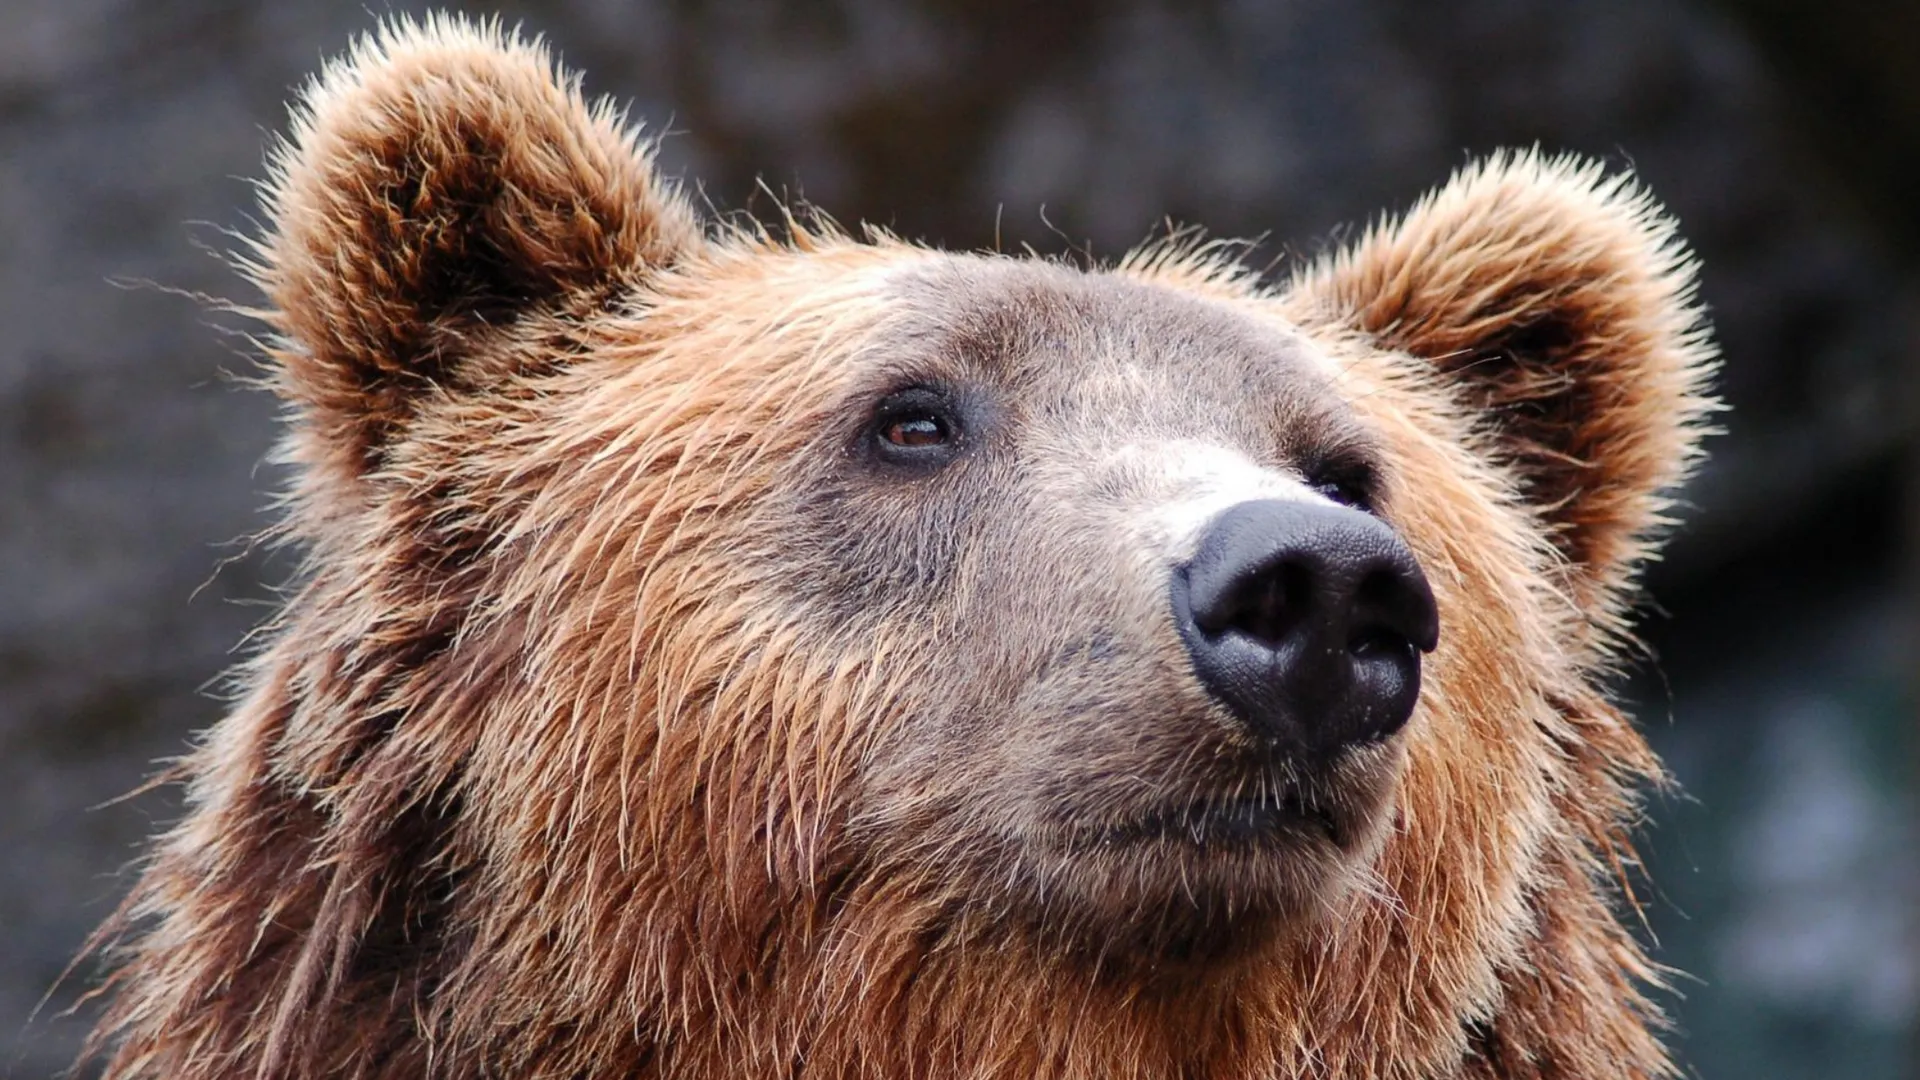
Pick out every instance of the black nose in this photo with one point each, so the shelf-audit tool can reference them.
(1307, 621)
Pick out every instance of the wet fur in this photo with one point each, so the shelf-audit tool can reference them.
(586, 745)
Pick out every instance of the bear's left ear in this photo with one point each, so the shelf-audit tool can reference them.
(1561, 304)
(442, 182)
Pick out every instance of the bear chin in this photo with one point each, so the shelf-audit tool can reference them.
(1259, 850)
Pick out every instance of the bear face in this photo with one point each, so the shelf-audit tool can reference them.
(728, 655)
(1088, 431)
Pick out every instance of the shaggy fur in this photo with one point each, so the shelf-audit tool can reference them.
(626, 721)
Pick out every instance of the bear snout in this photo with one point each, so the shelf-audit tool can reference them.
(1306, 621)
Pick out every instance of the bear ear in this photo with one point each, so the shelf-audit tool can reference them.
(441, 181)
(1560, 303)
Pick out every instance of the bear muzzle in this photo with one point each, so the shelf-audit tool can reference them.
(1306, 622)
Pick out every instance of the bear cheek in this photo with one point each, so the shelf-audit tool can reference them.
(1041, 698)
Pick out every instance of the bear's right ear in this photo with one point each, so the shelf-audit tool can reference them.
(441, 181)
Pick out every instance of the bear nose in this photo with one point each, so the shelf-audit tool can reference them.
(1307, 622)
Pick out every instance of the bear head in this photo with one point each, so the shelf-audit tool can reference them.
(724, 651)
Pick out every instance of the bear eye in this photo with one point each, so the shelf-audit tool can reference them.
(1349, 483)
(917, 426)
(918, 431)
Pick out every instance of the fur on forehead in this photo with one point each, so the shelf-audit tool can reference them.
(446, 193)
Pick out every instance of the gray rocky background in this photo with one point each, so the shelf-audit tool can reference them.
(1785, 135)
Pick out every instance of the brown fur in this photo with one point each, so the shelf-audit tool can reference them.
(622, 725)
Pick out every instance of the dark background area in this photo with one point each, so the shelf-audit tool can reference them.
(1784, 134)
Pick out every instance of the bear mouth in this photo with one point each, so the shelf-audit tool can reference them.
(1268, 819)
(1205, 867)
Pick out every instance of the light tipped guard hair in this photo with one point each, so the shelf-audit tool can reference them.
(597, 738)
(441, 180)
(1563, 306)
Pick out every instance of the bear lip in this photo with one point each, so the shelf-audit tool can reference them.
(1236, 822)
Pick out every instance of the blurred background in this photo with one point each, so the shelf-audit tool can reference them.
(1785, 135)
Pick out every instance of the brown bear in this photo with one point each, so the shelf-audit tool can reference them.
(726, 651)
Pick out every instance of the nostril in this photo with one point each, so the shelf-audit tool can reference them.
(1264, 605)
(1393, 603)
(1373, 642)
